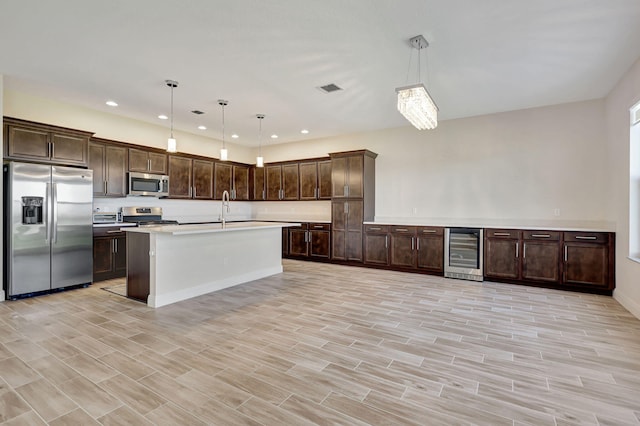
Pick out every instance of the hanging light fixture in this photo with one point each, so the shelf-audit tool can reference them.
(172, 144)
(223, 151)
(414, 102)
(260, 158)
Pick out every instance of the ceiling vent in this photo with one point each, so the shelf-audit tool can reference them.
(328, 88)
(197, 112)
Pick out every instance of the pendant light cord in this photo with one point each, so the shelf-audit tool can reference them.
(171, 111)
(223, 144)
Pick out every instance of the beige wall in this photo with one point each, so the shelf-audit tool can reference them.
(617, 105)
(112, 126)
(516, 167)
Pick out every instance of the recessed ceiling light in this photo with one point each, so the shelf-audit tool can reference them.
(163, 117)
(202, 127)
(112, 103)
(235, 136)
(274, 136)
(304, 131)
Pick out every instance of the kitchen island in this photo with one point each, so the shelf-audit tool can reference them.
(170, 263)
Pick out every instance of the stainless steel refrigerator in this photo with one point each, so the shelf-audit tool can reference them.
(48, 228)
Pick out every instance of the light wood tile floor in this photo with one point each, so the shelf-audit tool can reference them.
(323, 344)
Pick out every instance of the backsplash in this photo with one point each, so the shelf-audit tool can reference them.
(208, 211)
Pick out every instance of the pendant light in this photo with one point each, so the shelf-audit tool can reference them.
(260, 158)
(414, 102)
(172, 144)
(224, 153)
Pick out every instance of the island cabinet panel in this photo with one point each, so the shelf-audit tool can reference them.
(540, 256)
(588, 259)
(501, 253)
(202, 179)
(346, 222)
(430, 249)
(376, 245)
(109, 165)
(180, 174)
(138, 266)
(223, 179)
(240, 190)
(25, 140)
(258, 180)
(146, 161)
(109, 253)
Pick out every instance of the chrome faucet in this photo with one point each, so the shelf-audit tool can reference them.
(225, 203)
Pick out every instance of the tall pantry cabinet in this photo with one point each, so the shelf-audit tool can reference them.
(352, 202)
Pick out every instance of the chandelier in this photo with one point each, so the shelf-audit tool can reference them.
(414, 101)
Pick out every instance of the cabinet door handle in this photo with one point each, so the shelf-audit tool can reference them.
(412, 244)
(346, 191)
(540, 236)
(566, 255)
(501, 234)
(580, 237)
(418, 244)
(105, 187)
(374, 229)
(263, 197)
(117, 231)
(517, 249)
(429, 231)
(53, 150)
(115, 244)
(148, 163)
(524, 250)
(194, 192)
(401, 230)
(318, 226)
(386, 241)
(346, 208)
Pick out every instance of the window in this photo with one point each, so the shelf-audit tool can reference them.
(634, 184)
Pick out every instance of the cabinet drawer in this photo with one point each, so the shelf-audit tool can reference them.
(541, 235)
(396, 229)
(430, 230)
(376, 229)
(502, 233)
(586, 237)
(320, 226)
(108, 231)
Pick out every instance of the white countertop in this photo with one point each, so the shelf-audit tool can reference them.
(209, 228)
(482, 224)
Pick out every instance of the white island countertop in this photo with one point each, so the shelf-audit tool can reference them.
(206, 228)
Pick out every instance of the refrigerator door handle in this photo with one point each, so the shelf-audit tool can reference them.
(54, 208)
(47, 202)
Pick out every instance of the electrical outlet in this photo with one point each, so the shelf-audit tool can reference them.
(415, 211)
(556, 212)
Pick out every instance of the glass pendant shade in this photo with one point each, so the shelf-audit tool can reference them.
(224, 154)
(415, 103)
(172, 145)
(259, 161)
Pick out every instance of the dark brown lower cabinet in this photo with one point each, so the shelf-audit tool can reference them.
(430, 249)
(567, 260)
(346, 238)
(109, 253)
(376, 244)
(310, 240)
(540, 254)
(407, 248)
(502, 253)
(588, 259)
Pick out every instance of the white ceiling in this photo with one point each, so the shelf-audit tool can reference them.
(269, 56)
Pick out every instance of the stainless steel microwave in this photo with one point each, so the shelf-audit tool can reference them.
(149, 185)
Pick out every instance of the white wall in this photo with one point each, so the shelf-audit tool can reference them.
(622, 97)
(510, 168)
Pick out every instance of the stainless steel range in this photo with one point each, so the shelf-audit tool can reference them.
(145, 216)
(463, 250)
